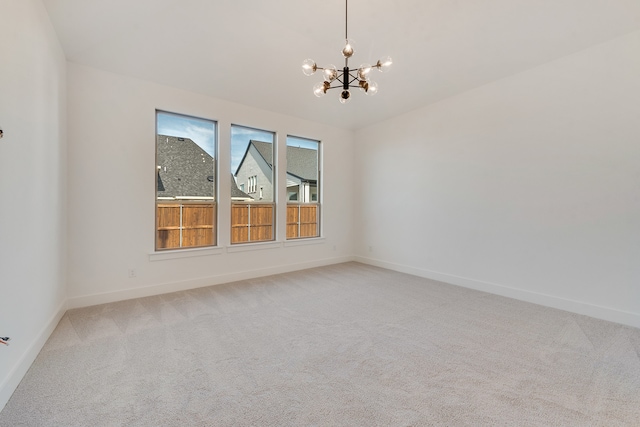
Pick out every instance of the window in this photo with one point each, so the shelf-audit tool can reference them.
(185, 181)
(303, 172)
(253, 183)
(252, 165)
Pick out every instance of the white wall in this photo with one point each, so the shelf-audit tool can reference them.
(527, 187)
(112, 189)
(32, 186)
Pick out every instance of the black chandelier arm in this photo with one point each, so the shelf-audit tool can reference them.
(345, 82)
(334, 87)
(342, 85)
(341, 74)
(353, 78)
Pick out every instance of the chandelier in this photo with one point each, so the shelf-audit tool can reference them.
(343, 79)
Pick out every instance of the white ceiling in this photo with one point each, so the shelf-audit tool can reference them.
(250, 51)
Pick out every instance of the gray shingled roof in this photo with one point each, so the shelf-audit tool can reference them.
(236, 192)
(265, 149)
(301, 162)
(186, 170)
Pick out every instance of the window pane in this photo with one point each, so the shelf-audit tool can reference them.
(252, 185)
(303, 172)
(186, 182)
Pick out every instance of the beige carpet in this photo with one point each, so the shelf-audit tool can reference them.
(344, 345)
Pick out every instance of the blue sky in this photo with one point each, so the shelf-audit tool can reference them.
(294, 141)
(200, 131)
(240, 137)
(203, 133)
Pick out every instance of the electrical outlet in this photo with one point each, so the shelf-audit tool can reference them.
(132, 273)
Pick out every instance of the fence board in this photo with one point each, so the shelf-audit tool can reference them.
(239, 215)
(251, 222)
(292, 231)
(302, 221)
(308, 230)
(239, 234)
(168, 216)
(193, 215)
(168, 239)
(197, 223)
(168, 228)
(239, 223)
(261, 233)
(308, 214)
(197, 237)
(261, 215)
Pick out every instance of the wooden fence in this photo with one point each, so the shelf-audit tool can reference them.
(302, 221)
(251, 222)
(191, 224)
(181, 225)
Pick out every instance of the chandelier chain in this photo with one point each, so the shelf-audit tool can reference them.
(346, 19)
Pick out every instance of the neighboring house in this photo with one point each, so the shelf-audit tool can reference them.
(186, 171)
(302, 174)
(238, 195)
(255, 172)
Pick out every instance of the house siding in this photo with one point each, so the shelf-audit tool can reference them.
(255, 165)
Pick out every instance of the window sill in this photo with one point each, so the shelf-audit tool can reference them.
(305, 241)
(240, 247)
(184, 253)
(244, 247)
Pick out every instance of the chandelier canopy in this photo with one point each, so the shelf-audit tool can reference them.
(334, 78)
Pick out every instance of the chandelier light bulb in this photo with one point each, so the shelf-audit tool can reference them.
(347, 50)
(363, 72)
(330, 73)
(320, 89)
(372, 88)
(345, 95)
(309, 67)
(384, 64)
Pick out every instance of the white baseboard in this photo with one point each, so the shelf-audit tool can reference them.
(164, 288)
(599, 312)
(15, 375)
